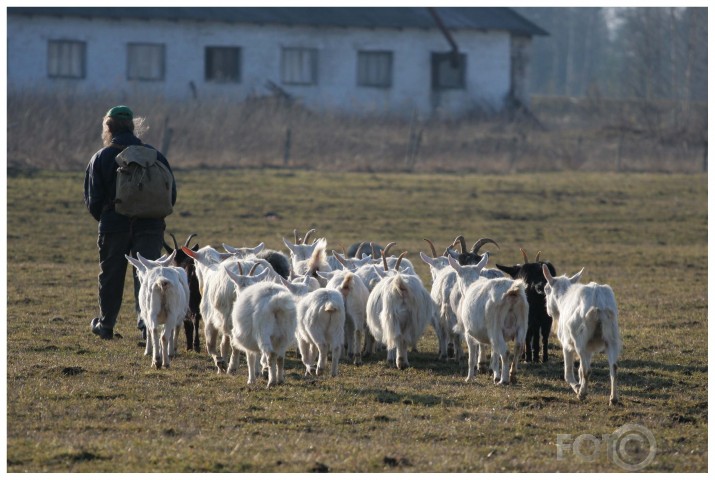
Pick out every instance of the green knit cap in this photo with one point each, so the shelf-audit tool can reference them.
(120, 111)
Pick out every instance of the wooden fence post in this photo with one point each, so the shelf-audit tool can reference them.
(286, 148)
(166, 137)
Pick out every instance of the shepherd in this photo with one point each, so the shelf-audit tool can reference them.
(123, 234)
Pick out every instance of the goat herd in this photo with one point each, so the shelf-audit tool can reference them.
(262, 302)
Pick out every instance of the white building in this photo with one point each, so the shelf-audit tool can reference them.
(352, 59)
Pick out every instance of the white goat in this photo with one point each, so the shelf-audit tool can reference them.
(163, 303)
(264, 325)
(320, 329)
(308, 259)
(218, 294)
(493, 311)
(355, 294)
(398, 310)
(587, 323)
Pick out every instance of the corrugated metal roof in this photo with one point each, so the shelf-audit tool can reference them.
(482, 18)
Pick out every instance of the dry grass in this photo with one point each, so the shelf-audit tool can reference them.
(78, 404)
(583, 135)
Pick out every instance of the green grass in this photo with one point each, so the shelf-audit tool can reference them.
(78, 404)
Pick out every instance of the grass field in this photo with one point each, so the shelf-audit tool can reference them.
(79, 404)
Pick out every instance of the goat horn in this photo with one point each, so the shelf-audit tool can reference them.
(176, 245)
(384, 260)
(538, 254)
(434, 252)
(480, 243)
(399, 260)
(188, 239)
(307, 235)
(342, 247)
(253, 269)
(462, 243)
(374, 253)
(387, 248)
(240, 270)
(295, 234)
(523, 254)
(359, 249)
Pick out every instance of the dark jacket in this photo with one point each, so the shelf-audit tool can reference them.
(100, 183)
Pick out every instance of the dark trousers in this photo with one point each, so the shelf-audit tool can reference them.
(113, 268)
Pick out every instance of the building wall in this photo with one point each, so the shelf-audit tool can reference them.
(488, 62)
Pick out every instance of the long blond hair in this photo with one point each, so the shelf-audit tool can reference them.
(112, 126)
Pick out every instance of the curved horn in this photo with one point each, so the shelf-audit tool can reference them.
(253, 269)
(462, 243)
(523, 254)
(480, 243)
(188, 239)
(295, 235)
(240, 270)
(384, 261)
(307, 235)
(434, 252)
(359, 249)
(399, 260)
(374, 253)
(538, 254)
(176, 245)
(387, 248)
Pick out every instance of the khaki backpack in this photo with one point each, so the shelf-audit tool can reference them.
(144, 183)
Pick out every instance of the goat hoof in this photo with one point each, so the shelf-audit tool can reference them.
(613, 401)
(581, 396)
(512, 379)
(503, 382)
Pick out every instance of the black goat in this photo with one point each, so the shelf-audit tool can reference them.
(539, 321)
(279, 261)
(357, 250)
(193, 317)
(465, 257)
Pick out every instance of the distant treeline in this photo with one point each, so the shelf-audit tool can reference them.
(640, 53)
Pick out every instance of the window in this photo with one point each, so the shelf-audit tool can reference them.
(145, 61)
(223, 64)
(66, 59)
(299, 66)
(448, 71)
(374, 69)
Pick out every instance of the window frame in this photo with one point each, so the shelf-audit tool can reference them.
(439, 58)
(83, 59)
(140, 77)
(224, 48)
(366, 55)
(313, 69)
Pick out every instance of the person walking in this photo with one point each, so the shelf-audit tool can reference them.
(119, 235)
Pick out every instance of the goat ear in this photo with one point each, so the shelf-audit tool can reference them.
(290, 246)
(340, 259)
(147, 263)
(229, 248)
(262, 276)
(577, 276)
(547, 275)
(324, 275)
(259, 248)
(427, 259)
(166, 260)
(450, 252)
(195, 247)
(284, 282)
(235, 277)
(137, 264)
(190, 253)
(483, 262)
(454, 263)
(511, 271)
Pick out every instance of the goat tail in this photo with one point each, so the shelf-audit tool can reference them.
(604, 324)
(318, 259)
(331, 307)
(516, 292)
(347, 283)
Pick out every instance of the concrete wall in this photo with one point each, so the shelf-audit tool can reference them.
(487, 77)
